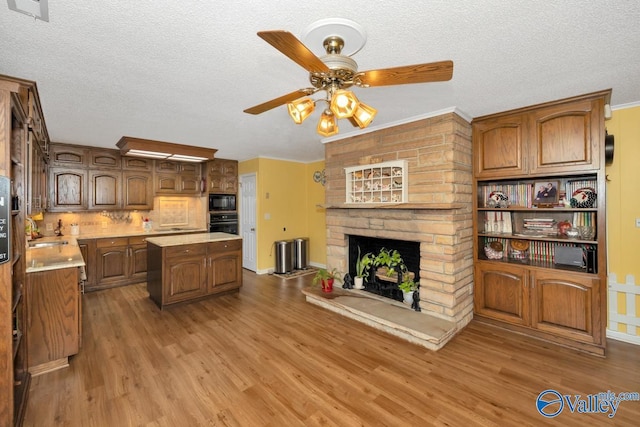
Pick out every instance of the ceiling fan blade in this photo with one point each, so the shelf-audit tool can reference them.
(276, 102)
(293, 48)
(419, 73)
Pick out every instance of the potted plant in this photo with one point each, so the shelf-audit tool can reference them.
(325, 278)
(362, 268)
(408, 287)
(389, 263)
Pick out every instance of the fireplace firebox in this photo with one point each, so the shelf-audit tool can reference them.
(409, 251)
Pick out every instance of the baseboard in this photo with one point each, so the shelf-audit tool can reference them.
(619, 336)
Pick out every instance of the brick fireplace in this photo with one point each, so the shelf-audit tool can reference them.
(437, 215)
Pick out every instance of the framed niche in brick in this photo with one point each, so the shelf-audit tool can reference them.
(377, 183)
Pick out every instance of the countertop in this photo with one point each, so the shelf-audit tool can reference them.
(188, 239)
(54, 257)
(109, 233)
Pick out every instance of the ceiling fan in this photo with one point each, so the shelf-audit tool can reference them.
(336, 71)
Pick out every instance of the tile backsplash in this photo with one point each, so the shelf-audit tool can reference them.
(167, 212)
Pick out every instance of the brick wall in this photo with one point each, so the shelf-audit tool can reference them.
(438, 151)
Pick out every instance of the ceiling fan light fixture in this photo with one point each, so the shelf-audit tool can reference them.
(364, 114)
(343, 103)
(300, 109)
(328, 125)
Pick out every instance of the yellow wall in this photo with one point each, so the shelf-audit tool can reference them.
(286, 196)
(623, 205)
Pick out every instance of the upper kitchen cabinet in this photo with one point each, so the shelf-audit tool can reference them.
(137, 164)
(105, 159)
(70, 156)
(222, 176)
(68, 189)
(556, 137)
(177, 177)
(105, 189)
(137, 190)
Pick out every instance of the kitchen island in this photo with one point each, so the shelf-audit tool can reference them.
(184, 268)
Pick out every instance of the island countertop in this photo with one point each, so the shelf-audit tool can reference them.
(187, 239)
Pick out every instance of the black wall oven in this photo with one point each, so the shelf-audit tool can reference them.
(222, 202)
(223, 223)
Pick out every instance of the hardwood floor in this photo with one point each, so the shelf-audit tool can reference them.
(265, 357)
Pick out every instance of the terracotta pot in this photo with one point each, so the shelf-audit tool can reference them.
(327, 285)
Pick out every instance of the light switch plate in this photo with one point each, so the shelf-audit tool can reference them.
(638, 222)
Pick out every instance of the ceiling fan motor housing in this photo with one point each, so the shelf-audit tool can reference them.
(342, 69)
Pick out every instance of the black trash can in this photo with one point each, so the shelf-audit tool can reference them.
(284, 256)
(300, 253)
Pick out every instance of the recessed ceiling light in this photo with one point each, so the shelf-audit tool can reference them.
(39, 9)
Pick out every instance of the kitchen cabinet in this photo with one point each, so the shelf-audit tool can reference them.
(119, 261)
(105, 187)
(37, 172)
(186, 272)
(69, 156)
(137, 164)
(137, 190)
(104, 159)
(177, 177)
(53, 319)
(14, 377)
(222, 176)
(68, 189)
(88, 251)
(224, 265)
(530, 274)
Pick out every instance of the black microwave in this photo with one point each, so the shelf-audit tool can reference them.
(222, 202)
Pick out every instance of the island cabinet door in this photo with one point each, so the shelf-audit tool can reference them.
(224, 260)
(185, 273)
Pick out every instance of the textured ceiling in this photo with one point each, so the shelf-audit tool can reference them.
(184, 71)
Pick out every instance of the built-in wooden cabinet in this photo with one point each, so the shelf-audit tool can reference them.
(540, 256)
(188, 272)
(15, 115)
(222, 176)
(104, 159)
(137, 190)
(105, 189)
(68, 190)
(178, 177)
(53, 320)
(69, 156)
(37, 172)
(118, 261)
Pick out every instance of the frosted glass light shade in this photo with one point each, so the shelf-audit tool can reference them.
(300, 109)
(328, 125)
(343, 103)
(364, 114)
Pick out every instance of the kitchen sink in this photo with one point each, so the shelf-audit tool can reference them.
(33, 244)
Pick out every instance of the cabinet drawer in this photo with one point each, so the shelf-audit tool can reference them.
(181, 251)
(138, 240)
(226, 246)
(117, 241)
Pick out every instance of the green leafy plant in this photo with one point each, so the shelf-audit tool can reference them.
(363, 263)
(407, 284)
(323, 275)
(391, 260)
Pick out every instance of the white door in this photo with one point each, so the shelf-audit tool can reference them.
(248, 220)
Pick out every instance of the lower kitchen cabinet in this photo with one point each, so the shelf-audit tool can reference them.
(193, 271)
(53, 318)
(563, 307)
(118, 261)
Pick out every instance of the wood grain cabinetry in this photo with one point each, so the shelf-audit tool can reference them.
(178, 177)
(222, 176)
(53, 320)
(37, 173)
(105, 189)
(104, 159)
(69, 156)
(137, 190)
(530, 274)
(68, 189)
(15, 116)
(118, 261)
(188, 272)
